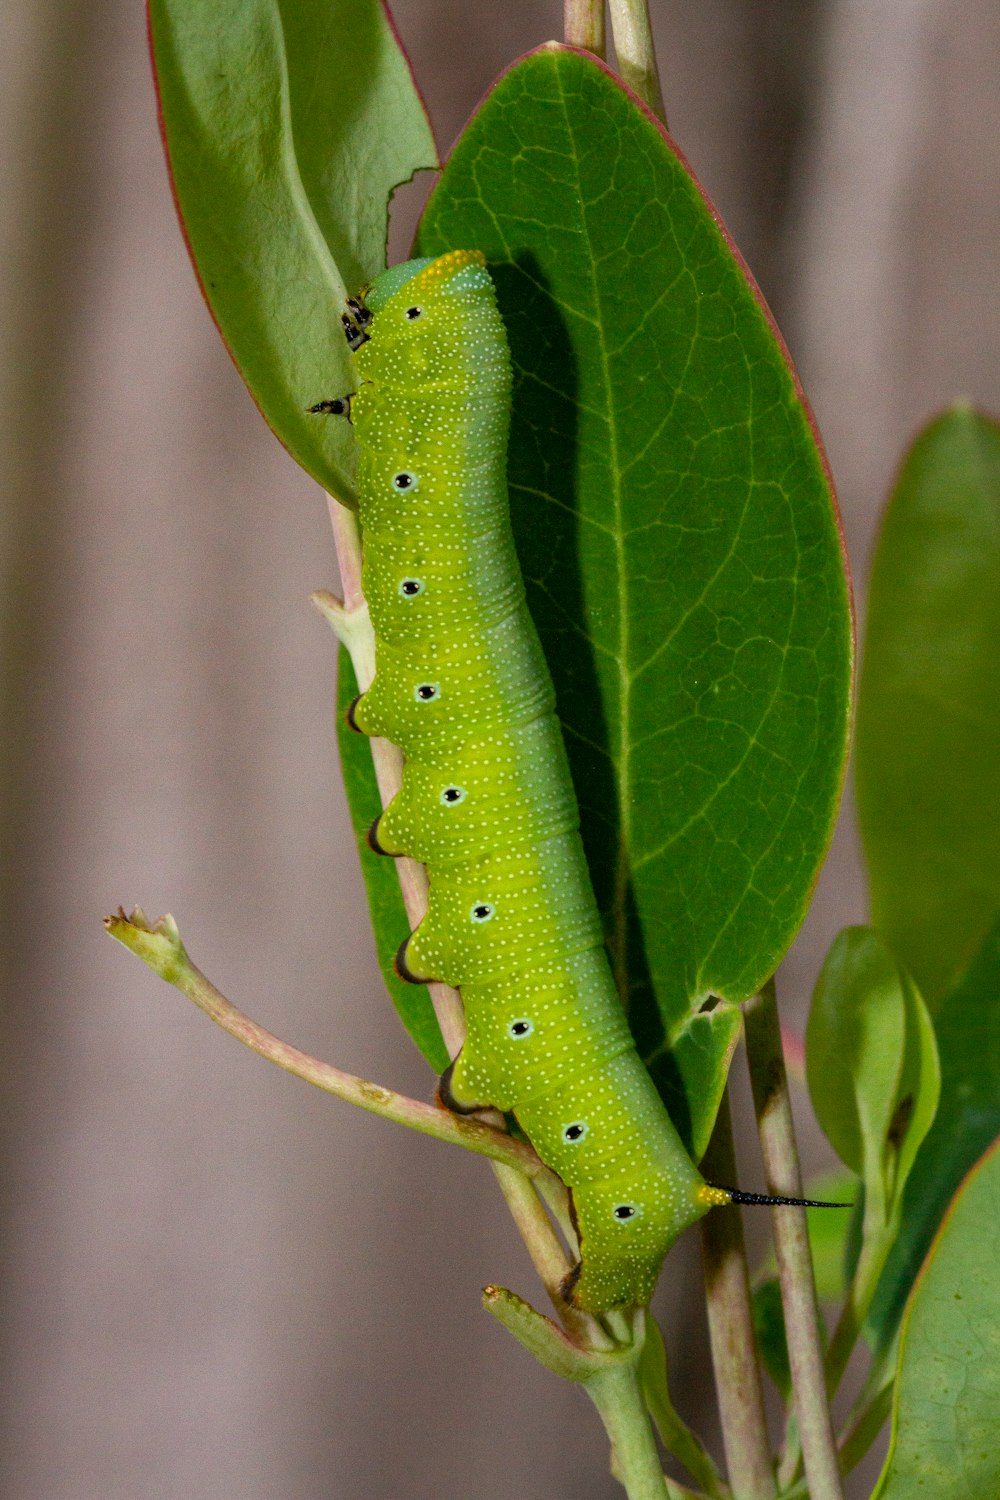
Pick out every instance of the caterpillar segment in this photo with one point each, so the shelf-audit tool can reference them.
(461, 686)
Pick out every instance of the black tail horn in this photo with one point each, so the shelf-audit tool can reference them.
(735, 1196)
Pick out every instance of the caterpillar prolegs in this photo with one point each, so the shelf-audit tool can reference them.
(461, 686)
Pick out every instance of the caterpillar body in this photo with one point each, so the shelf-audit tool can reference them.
(486, 802)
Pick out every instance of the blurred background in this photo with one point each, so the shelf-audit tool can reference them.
(216, 1283)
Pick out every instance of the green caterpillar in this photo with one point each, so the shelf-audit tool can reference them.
(487, 804)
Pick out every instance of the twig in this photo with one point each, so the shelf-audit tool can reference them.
(678, 1438)
(351, 623)
(583, 25)
(547, 1255)
(159, 946)
(730, 1328)
(633, 37)
(618, 1398)
(791, 1243)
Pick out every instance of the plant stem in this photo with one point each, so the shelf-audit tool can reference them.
(583, 25)
(876, 1245)
(618, 1398)
(354, 629)
(160, 947)
(791, 1243)
(730, 1328)
(633, 38)
(547, 1254)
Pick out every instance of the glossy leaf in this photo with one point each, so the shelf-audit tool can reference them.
(944, 1423)
(967, 1121)
(385, 900)
(871, 1064)
(928, 743)
(287, 123)
(678, 534)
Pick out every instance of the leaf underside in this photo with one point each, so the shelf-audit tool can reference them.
(287, 123)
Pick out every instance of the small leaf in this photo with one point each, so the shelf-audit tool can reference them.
(385, 900)
(548, 1343)
(287, 126)
(967, 1120)
(944, 1422)
(871, 1065)
(678, 536)
(928, 739)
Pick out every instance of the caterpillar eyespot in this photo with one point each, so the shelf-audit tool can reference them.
(548, 952)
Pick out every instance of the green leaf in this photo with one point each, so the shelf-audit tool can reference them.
(288, 123)
(677, 531)
(385, 899)
(871, 1065)
(944, 1422)
(928, 755)
(967, 1121)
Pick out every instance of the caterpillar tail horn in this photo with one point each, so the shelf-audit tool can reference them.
(733, 1195)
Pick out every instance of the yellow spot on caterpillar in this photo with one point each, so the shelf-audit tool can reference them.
(430, 278)
(712, 1197)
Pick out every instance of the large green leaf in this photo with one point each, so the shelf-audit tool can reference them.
(944, 1421)
(928, 756)
(678, 534)
(385, 898)
(967, 1121)
(287, 123)
(872, 1067)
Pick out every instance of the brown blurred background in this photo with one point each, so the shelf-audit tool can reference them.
(216, 1284)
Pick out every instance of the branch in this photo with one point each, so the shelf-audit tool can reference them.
(791, 1242)
(583, 25)
(730, 1328)
(633, 37)
(352, 626)
(160, 948)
